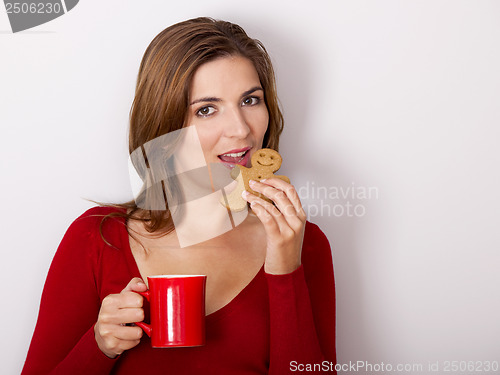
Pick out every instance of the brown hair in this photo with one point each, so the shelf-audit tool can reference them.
(161, 97)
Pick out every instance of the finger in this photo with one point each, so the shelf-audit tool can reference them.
(271, 227)
(130, 300)
(272, 218)
(270, 192)
(282, 202)
(114, 302)
(129, 315)
(290, 192)
(128, 333)
(136, 285)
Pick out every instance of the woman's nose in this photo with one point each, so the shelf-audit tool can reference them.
(235, 124)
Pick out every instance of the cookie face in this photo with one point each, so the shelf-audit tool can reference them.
(264, 163)
(268, 159)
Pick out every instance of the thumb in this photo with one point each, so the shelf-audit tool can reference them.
(135, 285)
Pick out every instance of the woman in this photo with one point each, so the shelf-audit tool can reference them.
(270, 302)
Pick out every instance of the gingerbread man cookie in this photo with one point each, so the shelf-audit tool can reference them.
(264, 163)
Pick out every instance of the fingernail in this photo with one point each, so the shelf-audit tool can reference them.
(244, 194)
(252, 182)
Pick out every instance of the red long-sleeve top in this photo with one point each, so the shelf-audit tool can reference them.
(273, 326)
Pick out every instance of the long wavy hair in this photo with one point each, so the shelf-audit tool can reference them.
(161, 99)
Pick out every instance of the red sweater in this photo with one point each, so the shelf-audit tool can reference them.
(274, 325)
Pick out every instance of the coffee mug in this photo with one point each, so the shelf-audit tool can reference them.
(177, 309)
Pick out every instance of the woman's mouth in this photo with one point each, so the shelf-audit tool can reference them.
(233, 157)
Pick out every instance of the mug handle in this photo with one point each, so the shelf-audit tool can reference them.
(145, 327)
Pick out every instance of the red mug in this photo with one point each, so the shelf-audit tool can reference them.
(177, 309)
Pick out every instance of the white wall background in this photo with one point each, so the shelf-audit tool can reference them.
(400, 96)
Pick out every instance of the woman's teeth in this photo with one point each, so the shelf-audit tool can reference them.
(232, 158)
(235, 155)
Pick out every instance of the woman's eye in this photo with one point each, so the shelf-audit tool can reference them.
(252, 100)
(205, 111)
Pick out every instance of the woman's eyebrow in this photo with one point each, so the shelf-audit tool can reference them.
(206, 99)
(253, 89)
(214, 99)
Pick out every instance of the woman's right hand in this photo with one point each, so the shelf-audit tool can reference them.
(111, 334)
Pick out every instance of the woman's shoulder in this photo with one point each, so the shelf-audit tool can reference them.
(313, 235)
(87, 246)
(100, 211)
(92, 222)
(95, 214)
(316, 247)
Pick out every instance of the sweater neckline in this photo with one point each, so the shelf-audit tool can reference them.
(218, 314)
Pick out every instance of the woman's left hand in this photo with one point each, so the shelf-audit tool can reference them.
(284, 223)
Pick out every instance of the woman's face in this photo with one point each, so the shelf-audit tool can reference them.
(226, 104)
